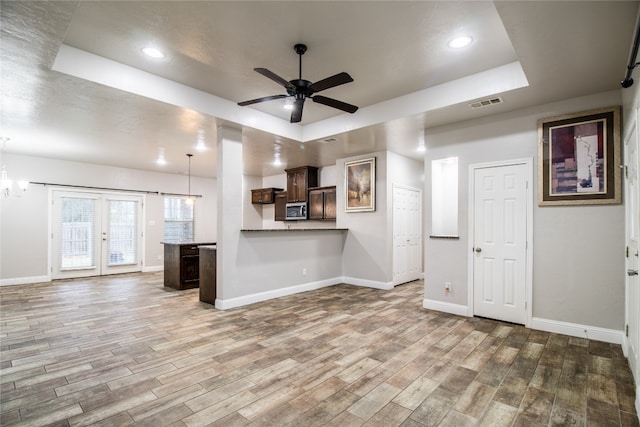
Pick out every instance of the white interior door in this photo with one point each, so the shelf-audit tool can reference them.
(407, 234)
(500, 242)
(632, 286)
(95, 234)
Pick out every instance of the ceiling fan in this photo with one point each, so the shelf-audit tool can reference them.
(302, 89)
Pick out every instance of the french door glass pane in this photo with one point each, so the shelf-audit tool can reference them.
(123, 232)
(78, 233)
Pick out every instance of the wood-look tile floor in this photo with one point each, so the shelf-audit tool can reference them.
(123, 350)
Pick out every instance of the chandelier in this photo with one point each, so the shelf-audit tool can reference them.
(6, 185)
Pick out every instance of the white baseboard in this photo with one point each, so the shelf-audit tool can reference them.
(565, 328)
(225, 304)
(385, 286)
(153, 269)
(24, 280)
(576, 330)
(446, 307)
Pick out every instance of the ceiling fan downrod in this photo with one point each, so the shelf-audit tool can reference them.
(300, 50)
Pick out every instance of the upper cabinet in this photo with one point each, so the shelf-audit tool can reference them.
(264, 196)
(322, 203)
(299, 180)
(280, 211)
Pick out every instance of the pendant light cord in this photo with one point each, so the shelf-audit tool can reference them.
(189, 188)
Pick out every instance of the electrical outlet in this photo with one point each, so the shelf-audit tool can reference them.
(304, 271)
(447, 286)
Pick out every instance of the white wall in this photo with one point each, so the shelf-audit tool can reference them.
(24, 222)
(578, 251)
(257, 265)
(368, 252)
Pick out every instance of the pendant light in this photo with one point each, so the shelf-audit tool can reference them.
(189, 200)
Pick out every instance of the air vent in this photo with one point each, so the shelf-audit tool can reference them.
(486, 102)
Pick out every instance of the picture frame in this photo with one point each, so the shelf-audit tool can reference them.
(579, 158)
(360, 185)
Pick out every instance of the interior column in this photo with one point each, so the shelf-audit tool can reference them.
(230, 195)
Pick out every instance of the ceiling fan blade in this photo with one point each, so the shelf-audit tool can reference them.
(276, 78)
(296, 114)
(335, 104)
(329, 82)
(263, 99)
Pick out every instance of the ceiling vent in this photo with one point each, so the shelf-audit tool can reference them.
(486, 102)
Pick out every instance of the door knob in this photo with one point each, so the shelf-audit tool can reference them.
(478, 250)
(632, 272)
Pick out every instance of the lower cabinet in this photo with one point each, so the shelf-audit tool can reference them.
(208, 274)
(322, 203)
(182, 265)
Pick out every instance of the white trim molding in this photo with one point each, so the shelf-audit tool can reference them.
(385, 286)
(576, 330)
(555, 326)
(153, 268)
(24, 280)
(225, 304)
(446, 307)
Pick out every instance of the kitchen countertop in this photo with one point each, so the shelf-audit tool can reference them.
(188, 243)
(292, 229)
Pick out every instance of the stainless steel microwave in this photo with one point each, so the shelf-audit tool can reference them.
(296, 211)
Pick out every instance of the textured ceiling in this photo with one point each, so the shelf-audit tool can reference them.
(405, 77)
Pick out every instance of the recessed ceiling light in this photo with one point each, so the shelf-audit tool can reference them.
(460, 42)
(153, 52)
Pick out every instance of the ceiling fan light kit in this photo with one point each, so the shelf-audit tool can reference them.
(301, 89)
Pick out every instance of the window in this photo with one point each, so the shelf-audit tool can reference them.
(178, 220)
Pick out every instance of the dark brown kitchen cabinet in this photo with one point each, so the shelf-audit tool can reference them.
(280, 211)
(299, 180)
(182, 265)
(322, 203)
(208, 274)
(263, 196)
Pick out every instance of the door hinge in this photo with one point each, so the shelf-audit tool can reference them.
(626, 252)
(626, 330)
(626, 171)
(525, 305)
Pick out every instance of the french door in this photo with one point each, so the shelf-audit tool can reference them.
(95, 234)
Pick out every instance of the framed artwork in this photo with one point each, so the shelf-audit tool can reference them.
(579, 158)
(360, 185)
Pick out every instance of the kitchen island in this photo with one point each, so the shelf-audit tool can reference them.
(182, 264)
